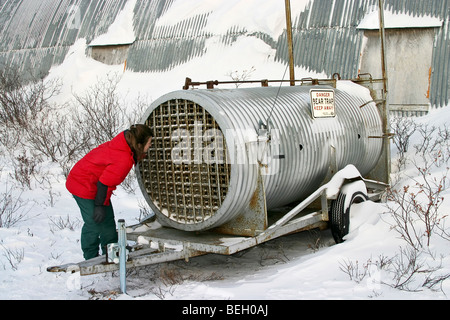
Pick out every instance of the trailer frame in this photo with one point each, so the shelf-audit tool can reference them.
(158, 244)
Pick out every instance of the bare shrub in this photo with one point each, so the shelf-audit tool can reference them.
(434, 144)
(358, 271)
(24, 109)
(269, 257)
(416, 220)
(144, 210)
(53, 136)
(12, 208)
(64, 133)
(240, 75)
(403, 128)
(24, 169)
(416, 207)
(129, 184)
(60, 223)
(103, 113)
(409, 270)
(102, 295)
(21, 100)
(316, 242)
(13, 256)
(9, 138)
(415, 210)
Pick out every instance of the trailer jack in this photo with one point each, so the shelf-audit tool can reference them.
(118, 253)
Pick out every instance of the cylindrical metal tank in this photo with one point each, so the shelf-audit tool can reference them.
(210, 144)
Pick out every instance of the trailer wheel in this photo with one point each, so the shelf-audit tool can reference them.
(351, 193)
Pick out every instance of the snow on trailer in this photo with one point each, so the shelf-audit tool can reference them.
(224, 161)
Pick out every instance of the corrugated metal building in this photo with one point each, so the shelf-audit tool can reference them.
(327, 38)
(35, 35)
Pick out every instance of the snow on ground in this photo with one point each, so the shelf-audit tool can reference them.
(301, 266)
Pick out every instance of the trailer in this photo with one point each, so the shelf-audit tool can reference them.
(158, 244)
(206, 222)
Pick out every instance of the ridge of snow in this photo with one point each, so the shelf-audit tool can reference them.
(121, 31)
(398, 20)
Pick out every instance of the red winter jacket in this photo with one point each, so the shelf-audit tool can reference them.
(109, 163)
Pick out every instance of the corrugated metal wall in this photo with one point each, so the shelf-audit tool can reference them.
(326, 39)
(35, 35)
(159, 48)
(440, 79)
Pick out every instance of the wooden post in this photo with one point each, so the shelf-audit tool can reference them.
(289, 39)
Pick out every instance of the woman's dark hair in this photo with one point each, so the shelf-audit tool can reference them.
(137, 137)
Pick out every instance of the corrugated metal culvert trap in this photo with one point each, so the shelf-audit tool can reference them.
(208, 150)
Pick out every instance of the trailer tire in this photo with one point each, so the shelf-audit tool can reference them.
(356, 192)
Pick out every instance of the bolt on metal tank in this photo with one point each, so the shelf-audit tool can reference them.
(210, 147)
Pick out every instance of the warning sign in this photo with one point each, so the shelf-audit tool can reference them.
(322, 103)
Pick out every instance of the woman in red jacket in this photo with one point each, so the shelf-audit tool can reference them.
(93, 179)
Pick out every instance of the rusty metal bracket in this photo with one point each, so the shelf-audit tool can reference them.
(377, 102)
(253, 220)
(384, 136)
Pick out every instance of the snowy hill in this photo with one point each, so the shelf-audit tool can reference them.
(301, 266)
